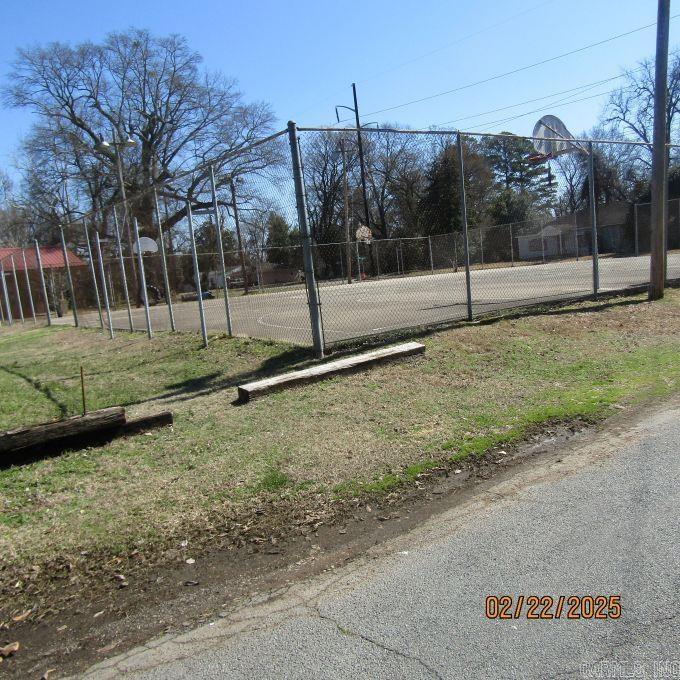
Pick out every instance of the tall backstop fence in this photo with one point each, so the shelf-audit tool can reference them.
(317, 243)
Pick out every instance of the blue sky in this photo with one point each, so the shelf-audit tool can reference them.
(302, 56)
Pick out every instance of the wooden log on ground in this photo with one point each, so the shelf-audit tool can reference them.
(72, 428)
(146, 423)
(259, 387)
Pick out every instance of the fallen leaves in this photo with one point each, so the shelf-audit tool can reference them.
(8, 650)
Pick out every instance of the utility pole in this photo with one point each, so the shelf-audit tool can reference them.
(361, 157)
(658, 226)
(232, 185)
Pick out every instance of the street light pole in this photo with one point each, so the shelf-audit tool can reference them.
(345, 195)
(126, 216)
(658, 226)
(361, 157)
(237, 223)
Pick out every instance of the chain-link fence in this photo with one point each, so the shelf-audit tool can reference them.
(322, 241)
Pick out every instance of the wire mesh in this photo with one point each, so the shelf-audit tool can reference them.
(389, 248)
(23, 287)
(530, 233)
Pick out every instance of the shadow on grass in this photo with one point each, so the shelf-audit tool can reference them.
(43, 389)
(609, 300)
(203, 385)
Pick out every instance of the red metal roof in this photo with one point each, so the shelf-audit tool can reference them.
(51, 256)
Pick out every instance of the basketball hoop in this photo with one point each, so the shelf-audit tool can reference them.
(552, 139)
(364, 234)
(536, 158)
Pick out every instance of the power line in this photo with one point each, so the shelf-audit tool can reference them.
(516, 70)
(563, 102)
(580, 89)
(391, 69)
(456, 42)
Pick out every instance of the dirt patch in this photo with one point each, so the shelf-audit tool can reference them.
(128, 602)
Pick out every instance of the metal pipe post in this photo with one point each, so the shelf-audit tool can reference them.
(69, 278)
(356, 248)
(16, 289)
(345, 207)
(94, 277)
(43, 287)
(463, 219)
(142, 280)
(576, 236)
(593, 218)
(164, 263)
(310, 279)
(102, 275)
(429, 246)
(237, 224)
(28, 286)
(377, 258)
(197, 277)
(220, 247)
(10, 320)
(123, 276)
(659, 155)
(512, 249)
(635, 227)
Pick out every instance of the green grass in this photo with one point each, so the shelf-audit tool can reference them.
(476, 388)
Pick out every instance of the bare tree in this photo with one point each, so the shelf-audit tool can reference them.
(150, 90)
(631, 107)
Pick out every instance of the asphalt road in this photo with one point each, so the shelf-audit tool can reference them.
(599, 517)
(374, 306)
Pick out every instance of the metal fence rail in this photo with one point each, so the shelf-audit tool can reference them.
(459, 225)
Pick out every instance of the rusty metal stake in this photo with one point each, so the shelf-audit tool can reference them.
(82, 389)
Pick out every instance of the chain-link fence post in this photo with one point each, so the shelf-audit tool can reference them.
(142, 280)
(220, 247)
(43, 287)
(543, 243)
(429, 247)
(356, 250)
(481, 245)
(635, 229)
(593, 218)
(94, 276)
(464, 224)
(69, 278)
(310, 279)
(197, 277)
(576, 237)
(512, 249)
(123, 275)
(16, 289)
(28, 285)
(102, 275)
(10, 320)
(342, 266)
(237, 224)
(164, 262)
